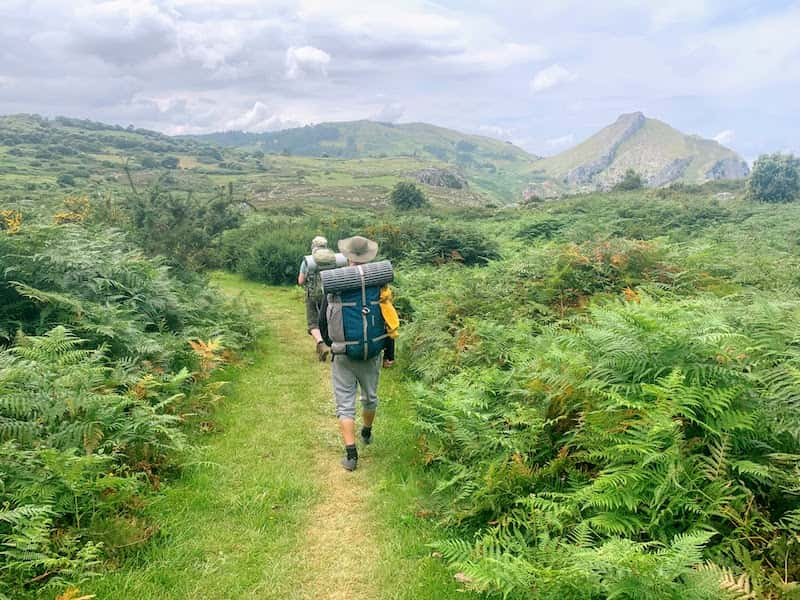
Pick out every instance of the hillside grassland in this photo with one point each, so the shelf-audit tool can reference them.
(35, 153)
(356, 139)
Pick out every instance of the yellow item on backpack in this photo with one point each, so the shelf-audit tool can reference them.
(389, 313)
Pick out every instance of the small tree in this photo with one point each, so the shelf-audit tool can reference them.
(170, 162)
(630, 181)
(407, 196)
(65, 180)
(775, 178)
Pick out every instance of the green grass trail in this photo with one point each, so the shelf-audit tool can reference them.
(276, 516)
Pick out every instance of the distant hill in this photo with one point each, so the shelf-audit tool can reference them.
(658, 152)
(371, 139)
(65, 136)
(50, 158)
(348, 163)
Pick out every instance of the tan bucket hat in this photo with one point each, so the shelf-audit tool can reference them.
(358, 249)
(319, 242)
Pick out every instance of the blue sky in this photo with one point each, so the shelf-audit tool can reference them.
(544, 75)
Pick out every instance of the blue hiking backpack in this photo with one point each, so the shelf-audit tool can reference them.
(355, 322)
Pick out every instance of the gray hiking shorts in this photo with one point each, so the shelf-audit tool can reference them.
(349, 374)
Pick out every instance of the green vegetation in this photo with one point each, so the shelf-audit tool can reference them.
(262, 510)
(612, 403)
(104, 355)
(605, 413)
(269, 249)
(630, 181)
(775, 178)
(35, 152)
(363, 139)
(407, 196)
(596, 397)
(180, 226)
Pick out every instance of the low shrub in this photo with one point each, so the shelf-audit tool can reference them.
(775, 178)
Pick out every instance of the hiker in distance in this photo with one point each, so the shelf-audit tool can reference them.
(321, 258)
(358, 334)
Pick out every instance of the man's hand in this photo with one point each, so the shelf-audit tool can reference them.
(388, 364)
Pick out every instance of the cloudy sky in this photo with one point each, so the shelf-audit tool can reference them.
(543, 74)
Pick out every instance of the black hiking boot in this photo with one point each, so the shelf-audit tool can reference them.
(350, 460)
(366, 435)
(350, 464)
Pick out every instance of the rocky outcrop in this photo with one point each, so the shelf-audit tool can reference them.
(728, 168)
(441, 178)
(672, 172)
(582, 174)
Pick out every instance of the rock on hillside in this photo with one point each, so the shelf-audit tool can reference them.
(659, 153)
(441, 178)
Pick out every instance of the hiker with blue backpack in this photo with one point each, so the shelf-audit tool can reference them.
(358, 322)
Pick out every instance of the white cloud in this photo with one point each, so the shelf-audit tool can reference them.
(194, 65)
(306, 60)
(561, 142)
(259, 118)
(551, 77)
(725, 137)
(121, 32)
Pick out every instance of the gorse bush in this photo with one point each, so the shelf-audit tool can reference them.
(182, 227)
(100, 348)
(407, 196)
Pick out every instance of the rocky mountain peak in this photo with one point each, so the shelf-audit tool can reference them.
(659, 153)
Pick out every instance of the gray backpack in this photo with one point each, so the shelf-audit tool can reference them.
(321, 259)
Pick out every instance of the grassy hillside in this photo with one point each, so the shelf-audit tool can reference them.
(62, 157)
(494, 169)
(340, 164)
(353, 139)
(658, 152)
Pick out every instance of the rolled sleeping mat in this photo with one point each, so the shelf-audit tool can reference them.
(311, 264)
(348, 278)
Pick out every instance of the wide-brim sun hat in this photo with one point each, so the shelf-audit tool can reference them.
(358, 249)
(319, 242)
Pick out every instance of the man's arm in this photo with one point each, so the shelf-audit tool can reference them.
(301, 278)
